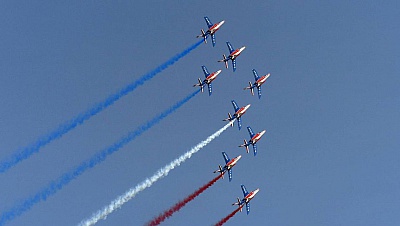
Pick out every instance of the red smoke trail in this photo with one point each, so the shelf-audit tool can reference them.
(223, 221)
(179, 205)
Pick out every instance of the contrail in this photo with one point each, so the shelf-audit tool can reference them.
(64, 128)
(99, 157)
(118, 202)
(168, 213)
(224, 220)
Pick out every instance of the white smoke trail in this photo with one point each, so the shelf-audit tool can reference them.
(118, 202)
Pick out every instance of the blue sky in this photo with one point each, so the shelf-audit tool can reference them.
(329, 156)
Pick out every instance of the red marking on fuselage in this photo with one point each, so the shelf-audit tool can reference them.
(212, 76)
(230, 162)
(236, 53)
(257, 137)
(233, 162)
(216, 27)
(251, 195)
(242, 110)
(261, 80)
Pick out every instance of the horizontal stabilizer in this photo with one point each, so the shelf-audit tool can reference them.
(246, 145)
(225, 60)
(229, 119)
(220, 171)
(200, 84)
(203, 34)
(237, 203)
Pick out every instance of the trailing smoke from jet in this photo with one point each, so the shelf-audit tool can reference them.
(99, 157)
(148, 182)
(225, 219)
(168, 213)
(64, 128)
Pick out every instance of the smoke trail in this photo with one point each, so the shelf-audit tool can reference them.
(99, 157)
(168, 213)
(224, 220)
(118, 202)
(64, 128)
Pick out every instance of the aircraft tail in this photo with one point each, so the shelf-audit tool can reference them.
(251, 88)
(203, 34)
(239, 203)
(229, 119)
(246, 145)
(225, 60)
(199, 84)
(220, 171)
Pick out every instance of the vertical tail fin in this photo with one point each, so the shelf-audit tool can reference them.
(229, 119)
(239, 203)
(250, 87)
(225, 60)
(199, 84)
(203, 34)
(220, 171)
(246, 145)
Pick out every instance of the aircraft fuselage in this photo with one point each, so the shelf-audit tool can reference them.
(251, 195)
(242, 111)
(236, 53)
(215, 27)
(212, 77)
(257, 137)
(233, 162)
(261, 80)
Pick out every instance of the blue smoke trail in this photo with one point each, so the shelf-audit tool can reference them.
(81, 118)
(99, 157)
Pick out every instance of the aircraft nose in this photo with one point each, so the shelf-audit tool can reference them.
(219, 71)
(222, 22)
(256, 191)
(239, 157)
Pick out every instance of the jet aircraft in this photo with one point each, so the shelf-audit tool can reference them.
(246, 200)
(238, 114)
(253, 140)
(229, 163)
(208, 80)
(257, 84)
(232, 55)
(212, 28)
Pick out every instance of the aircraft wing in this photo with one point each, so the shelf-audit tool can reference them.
(230, 174)
(235, 106)
(250, 132)
(209, 89)
(259, 91)
(206, 73)
(248, 207)
(234, 65)
(255, 149)
(230, 47)
(227, 159)
(244, 190)
(209, 24)
(256, 77)
(213, 39)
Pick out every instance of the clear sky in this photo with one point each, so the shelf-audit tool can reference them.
(331, 107)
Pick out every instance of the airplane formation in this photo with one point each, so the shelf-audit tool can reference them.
(97, 108)
(238, 112)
